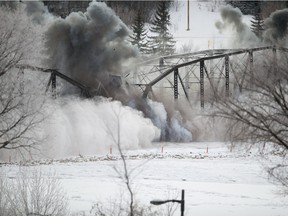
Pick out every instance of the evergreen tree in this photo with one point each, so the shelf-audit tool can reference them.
(246, 7)
(161, 41)
(138, 38)
(257, 23)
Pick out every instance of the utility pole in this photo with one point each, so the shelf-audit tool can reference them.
(188, 15)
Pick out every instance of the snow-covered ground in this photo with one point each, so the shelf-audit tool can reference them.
(217, 182)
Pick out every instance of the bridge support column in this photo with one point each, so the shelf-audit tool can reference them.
(202, 83)
(227, 76)
(53, 84)
(251, 69)
(176, 84)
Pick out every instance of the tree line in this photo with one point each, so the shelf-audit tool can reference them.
(259, 11)
(134, 14)
(160, 41)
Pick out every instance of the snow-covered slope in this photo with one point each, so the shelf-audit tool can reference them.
(202, 33)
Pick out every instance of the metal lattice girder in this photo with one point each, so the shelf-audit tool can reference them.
(250, 69)
(176, 84)
(183, 87)
(53, 84)
(52, 81)
(216, 67)
(192, 60)
(202, 83)
(153, 73)
(227, 75)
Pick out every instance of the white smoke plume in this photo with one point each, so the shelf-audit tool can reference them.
(232, 20)
(172, 129)
(90, 126)
(177, 132)
(275, 28)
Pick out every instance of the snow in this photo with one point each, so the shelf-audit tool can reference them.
(202, 34)
(217, 182)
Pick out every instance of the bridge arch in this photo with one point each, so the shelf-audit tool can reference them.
(197, 64)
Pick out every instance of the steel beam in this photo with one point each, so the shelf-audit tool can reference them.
(251, 69)
(183, 87)
(202, 83)
(56, 73)
(227, 76)
(176, 84)
(53, 84)
(146, 91)
(217, 56)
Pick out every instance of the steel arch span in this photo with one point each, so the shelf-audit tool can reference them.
(195, 73)
(190, 76)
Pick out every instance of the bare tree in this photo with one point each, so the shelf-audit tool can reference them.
(19, 113)
(124, 171)
(32, 193)
(125, 174)
(259, 114)
(19, 102)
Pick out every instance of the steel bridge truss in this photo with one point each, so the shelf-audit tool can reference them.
(85, 91)
(191, 75)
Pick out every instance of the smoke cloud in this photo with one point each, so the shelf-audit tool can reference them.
(276, 28)
(38, 12)
(90, 127)
(171, 128)
(90, 46)
(232, 19)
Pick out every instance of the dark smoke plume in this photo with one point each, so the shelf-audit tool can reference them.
(90, 46)
(232, 18)
(276, 28)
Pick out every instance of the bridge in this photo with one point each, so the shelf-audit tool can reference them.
(193, 73)
(189, 75)
(84, 90)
